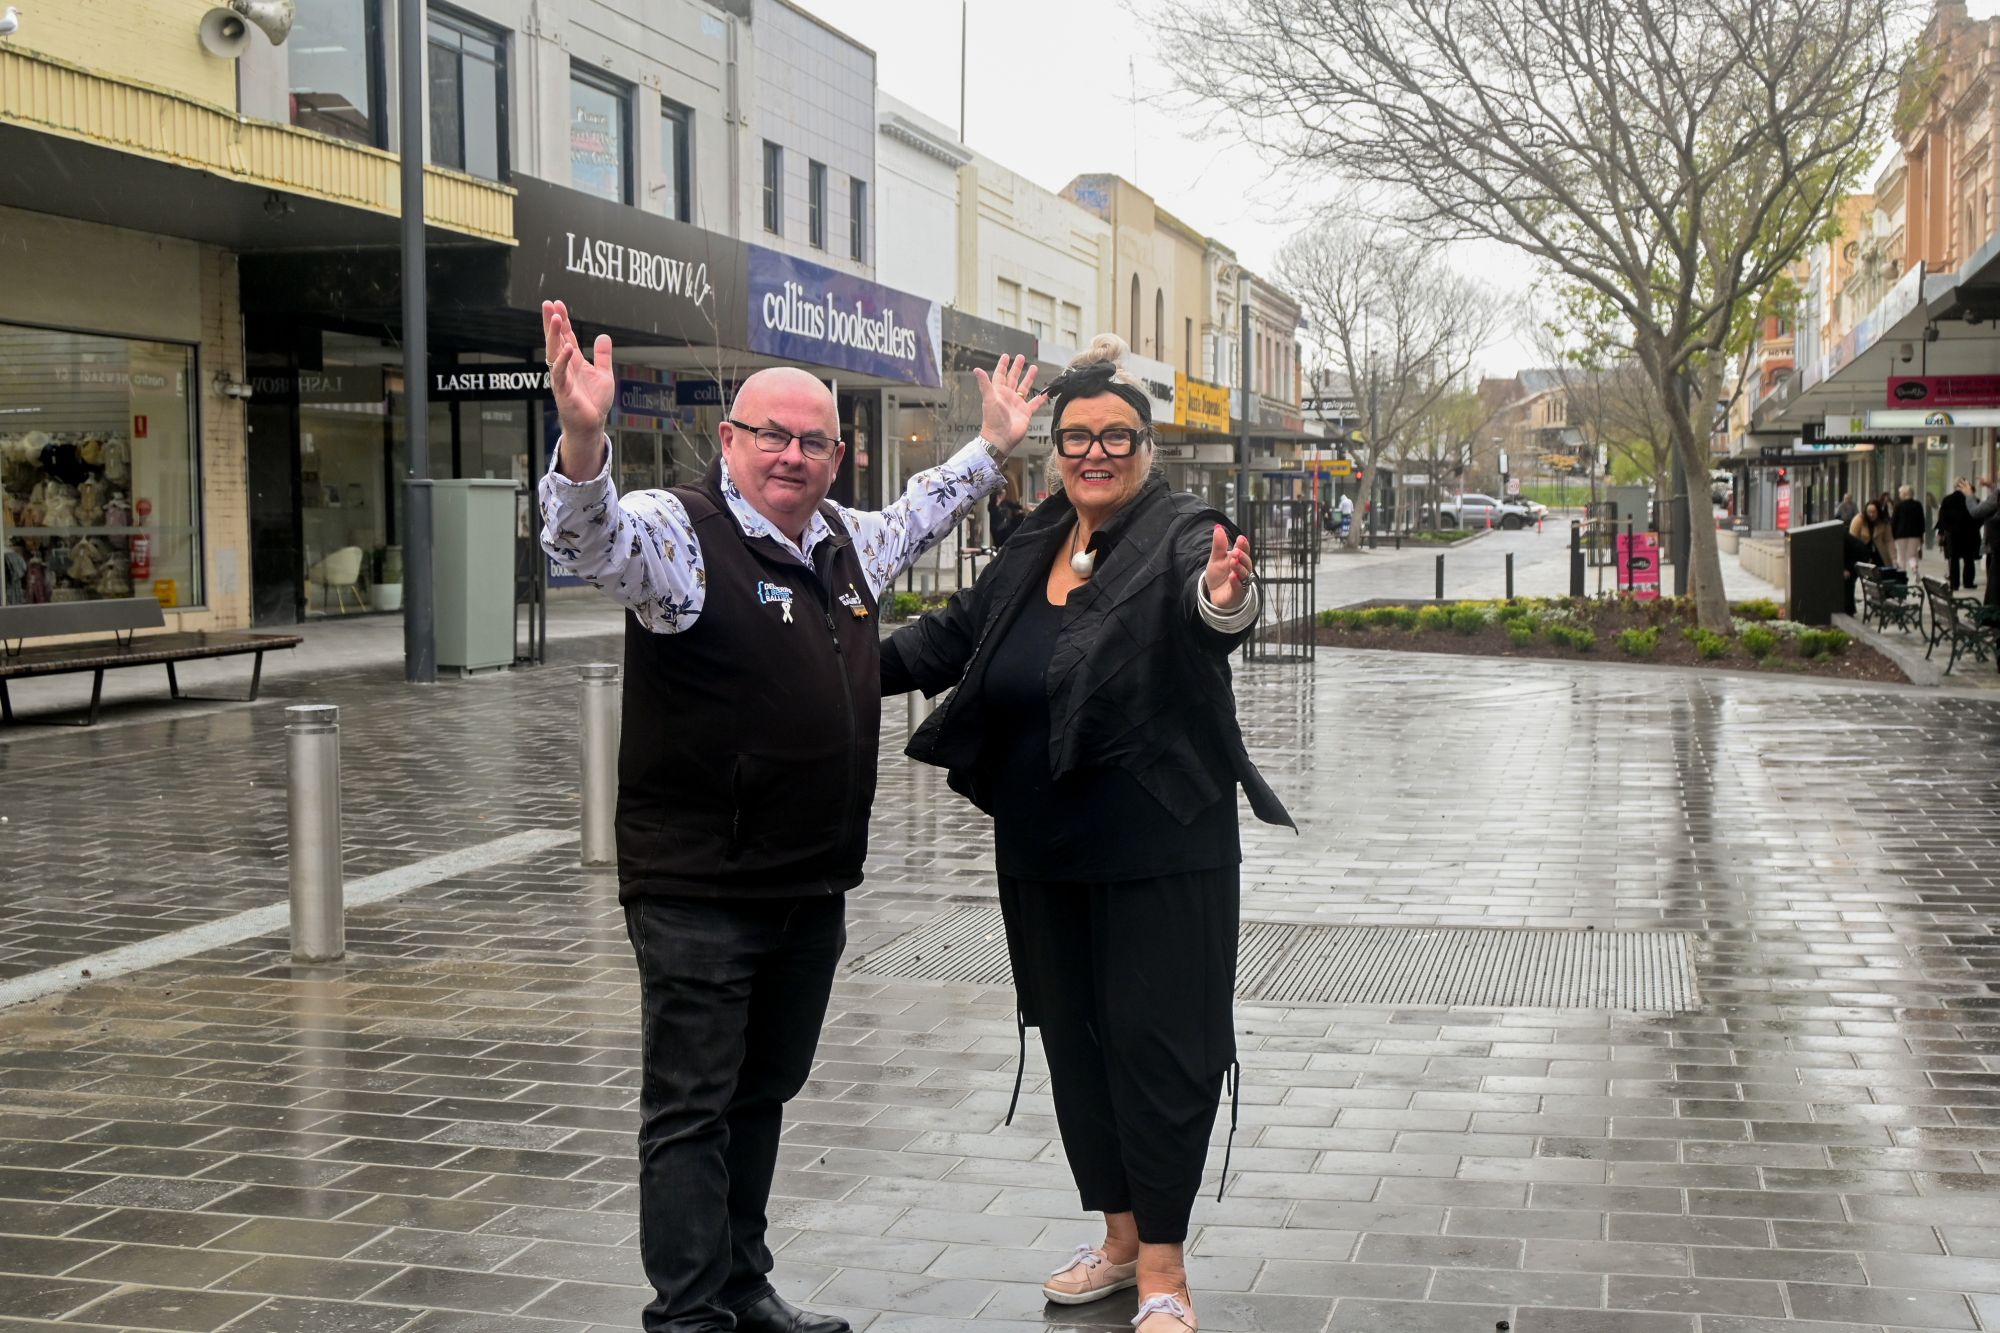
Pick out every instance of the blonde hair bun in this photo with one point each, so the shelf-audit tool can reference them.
(1104, 347)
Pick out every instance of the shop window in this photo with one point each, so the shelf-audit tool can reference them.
(600, 135)
(816, 204)
(468, 96)
(857, 221)
(100, 491)
(1007, 305)
(335, 63)
(1072, 325)
(676, 161)
(774, 188)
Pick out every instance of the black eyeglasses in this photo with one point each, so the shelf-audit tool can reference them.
(1118, 441)
(772, 440)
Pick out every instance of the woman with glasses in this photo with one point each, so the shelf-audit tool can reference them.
(1093, 719)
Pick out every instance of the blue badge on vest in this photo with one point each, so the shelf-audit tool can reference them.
(768, 593)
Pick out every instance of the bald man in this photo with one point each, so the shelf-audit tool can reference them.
(746, 770)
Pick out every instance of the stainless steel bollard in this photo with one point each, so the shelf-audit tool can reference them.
(919, 708)
(597, 715)
(312, 798)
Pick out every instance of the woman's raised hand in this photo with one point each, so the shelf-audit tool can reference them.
(1004, 406)
(584, 387)
(1228, 576)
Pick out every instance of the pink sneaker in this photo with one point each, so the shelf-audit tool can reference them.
(1165, 1313)
(1089, 1276)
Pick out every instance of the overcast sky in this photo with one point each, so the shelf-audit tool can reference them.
(1051, 91)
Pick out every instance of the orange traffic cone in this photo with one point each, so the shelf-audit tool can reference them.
(1538, 523)
(1489, 520)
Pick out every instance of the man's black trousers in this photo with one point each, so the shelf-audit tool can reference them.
(733, 994)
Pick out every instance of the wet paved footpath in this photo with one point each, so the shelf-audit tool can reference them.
(436, 1134)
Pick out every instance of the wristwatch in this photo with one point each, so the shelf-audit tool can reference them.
(993, 451)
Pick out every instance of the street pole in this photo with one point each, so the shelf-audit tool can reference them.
(1373, 483)
(1678, 510)
(419, 613)
(1243, 436)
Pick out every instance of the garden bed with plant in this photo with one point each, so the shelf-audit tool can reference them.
(1610, 629)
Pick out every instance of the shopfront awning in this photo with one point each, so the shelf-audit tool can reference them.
(79, 144)
(1905, 335)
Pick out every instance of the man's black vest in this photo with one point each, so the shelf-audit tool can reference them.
(746, 763)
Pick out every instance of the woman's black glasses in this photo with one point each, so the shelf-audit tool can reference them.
(1118, 441)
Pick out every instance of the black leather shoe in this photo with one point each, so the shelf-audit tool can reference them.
(773, 1314)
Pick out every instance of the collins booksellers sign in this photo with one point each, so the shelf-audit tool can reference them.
(816, 317)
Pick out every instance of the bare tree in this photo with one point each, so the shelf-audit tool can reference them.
(1613, 404)
(1669, 156)
(1393, 319)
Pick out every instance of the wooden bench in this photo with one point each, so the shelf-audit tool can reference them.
(122, 618)
(1957, 621)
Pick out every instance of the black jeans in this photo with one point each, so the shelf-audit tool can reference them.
(1133, 987)
(733, 994)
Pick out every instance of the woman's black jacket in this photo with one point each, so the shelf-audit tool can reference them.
(1137, 680)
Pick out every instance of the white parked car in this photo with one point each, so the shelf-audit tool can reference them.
(1479, 511)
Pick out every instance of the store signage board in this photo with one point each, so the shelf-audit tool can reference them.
(638, 398)
(1200, 405)
(624, 268)
(1157, 379)
(471, 383)
(1944, 391)
(1639, 563)
(1925, 418)
(815, 316)
(1211, 455)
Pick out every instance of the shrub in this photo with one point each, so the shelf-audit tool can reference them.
(1708, 644)
(1759, 608)
(1432, 618)
(1520, 632)
(1468, 619)
(1572, 636)
(905, 605)
(1639, 642)
(1822, 642)
(1514, 611)
(1392, 617)
(1340, 619)
(1759, 641)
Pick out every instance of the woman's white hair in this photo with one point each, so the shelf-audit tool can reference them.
(1104, 347)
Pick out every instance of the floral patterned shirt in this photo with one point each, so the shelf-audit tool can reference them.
(641, 548)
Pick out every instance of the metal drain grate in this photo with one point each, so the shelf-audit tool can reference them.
(1292, 963)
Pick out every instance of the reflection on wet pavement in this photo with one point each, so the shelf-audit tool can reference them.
(436, 1135)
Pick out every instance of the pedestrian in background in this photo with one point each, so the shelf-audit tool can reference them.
(1906, 525)
(1005, 513)
(1958, 535)
(1092, 716)
(1845, 510)
(1986, 514)
(1873, 529)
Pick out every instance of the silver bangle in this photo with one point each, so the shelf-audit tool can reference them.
(1228, 622)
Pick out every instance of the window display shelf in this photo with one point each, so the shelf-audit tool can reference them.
(170, 530)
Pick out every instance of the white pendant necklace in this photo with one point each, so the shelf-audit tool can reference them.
(1080, 562)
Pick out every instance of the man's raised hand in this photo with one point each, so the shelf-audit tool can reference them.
(584, 387)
